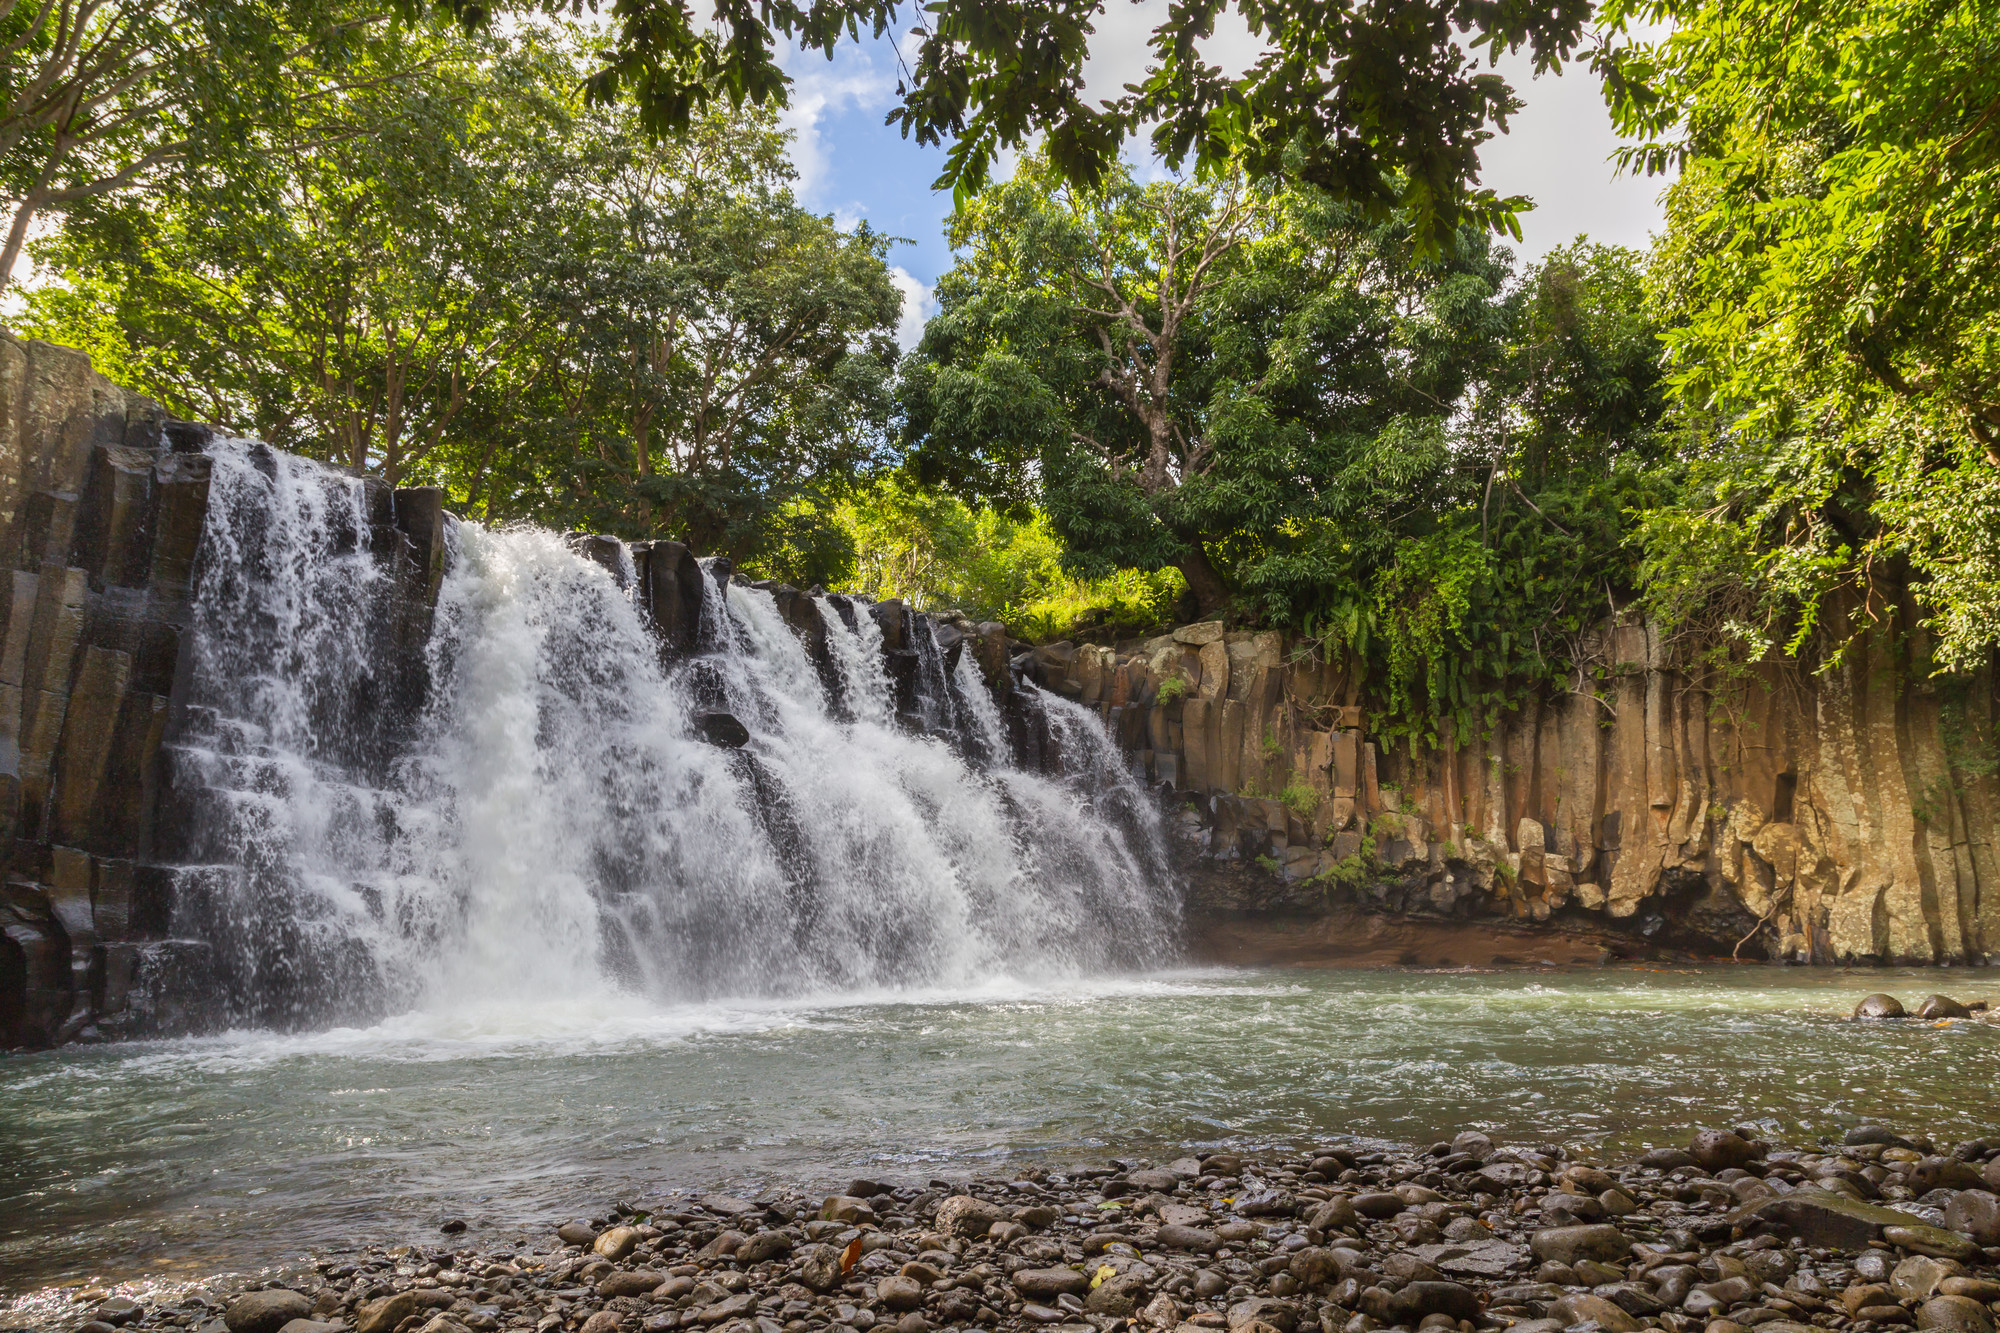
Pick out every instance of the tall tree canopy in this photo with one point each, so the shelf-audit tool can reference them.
(1420, 457)
(1382, 105)
(1831, 279)
(465, 277)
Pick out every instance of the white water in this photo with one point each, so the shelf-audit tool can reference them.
(544, 833)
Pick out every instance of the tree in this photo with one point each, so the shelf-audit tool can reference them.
(1419, 458)
(98, 96)
(1381, 105)
(470, 279)
(1830, 280)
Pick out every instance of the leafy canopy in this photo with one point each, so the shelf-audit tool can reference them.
(1830, 283)
(1383, 105)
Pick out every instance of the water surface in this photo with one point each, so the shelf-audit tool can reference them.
(250, 1149)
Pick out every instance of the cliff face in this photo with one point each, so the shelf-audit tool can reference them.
(1847, 816)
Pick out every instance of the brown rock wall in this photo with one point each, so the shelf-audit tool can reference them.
(1847, 815)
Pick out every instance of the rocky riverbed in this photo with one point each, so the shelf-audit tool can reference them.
(1886, 1229)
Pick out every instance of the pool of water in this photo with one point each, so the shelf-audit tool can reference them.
(251, 1149)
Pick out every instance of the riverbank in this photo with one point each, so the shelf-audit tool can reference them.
(1724, 1233)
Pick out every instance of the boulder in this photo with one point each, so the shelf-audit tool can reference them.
(899, 1293)
(1935, 1241)
(1879, 1005)
(1566, 1245)
(1721, 1149)
(617, 1242)
(963, 1215)
(1977, 1214)
(1820, 1217)
(265, 1311)
(1116, 1296)
(1942, 1006)
(1954, 1314)
(819, 1268)
(382, 1316)
(721, 729)
(1049, 1282)
(1579, 1308)
(1862, 1136)
(1197, 1239)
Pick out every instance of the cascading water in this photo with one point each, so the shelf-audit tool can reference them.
(542, 820)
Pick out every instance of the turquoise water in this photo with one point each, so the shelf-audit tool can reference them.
(240, 1151)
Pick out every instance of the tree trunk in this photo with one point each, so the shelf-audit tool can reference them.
(1203, 582)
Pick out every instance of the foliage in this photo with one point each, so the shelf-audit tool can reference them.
(97, 97)
(937, 552)
(1379, 105)
(1300, 799)
(1427, 463)
(1829, 280)
(466, 279)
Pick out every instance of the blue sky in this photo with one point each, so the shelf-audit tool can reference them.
(851, 165)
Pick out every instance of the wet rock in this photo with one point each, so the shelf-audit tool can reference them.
(1117, 1296)
(819, 1269)
(1984, 1290)
(1196, 1239)
(1473, 1144)
(117, 1311)
(1566, 1245)
(1379, 1205)
(1475, 1258)
(1917, 1278)
(1721, 1149)
(1954, 1314)
(1281, 1315)
(963, 1215)
(1931, 1240)
(604, 1321)
(721, 729)
(846, 1208)
(1335, 1214)
(1165, 1182)
(265, 1311)
(1579, 1308)
(1045, 1282)
(1879, 1005)
(899, 1293)
(1942, 1006)
(1818, 1217)
(576, 1233)
(617, 1242)
(1446, 1298)
(1862, 1136)
(635, 1283)
(306, 1326)
(1665, 1159)
(764, 1245)
(1567, 1210)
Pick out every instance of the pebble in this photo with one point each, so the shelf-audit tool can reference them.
(1725, 1235)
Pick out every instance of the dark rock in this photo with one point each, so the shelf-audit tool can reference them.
(265, 1311)
(452, 1226)
(899, 1293)
(1378, 1205)
(722, 729)
(1447, 1298)
(764, 1245)
(1879, 1005)
(963, 1215)
(576, 1233)
(1930, 1240)
(1721, 1149)
(1955, 1314)
(635, 1283)
(1862, 1136)
(819, 1267)
(118, 1311)
(1941, 1006)
(1819, 1217)
(1665, 1159)
(1197, 1239)
(1977, 1213)
(1051, 1282)
(1579, 1309)
(1566, 1245)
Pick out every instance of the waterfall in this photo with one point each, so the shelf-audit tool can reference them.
(520, 807)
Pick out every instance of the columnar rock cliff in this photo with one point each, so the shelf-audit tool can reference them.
(1850, 815)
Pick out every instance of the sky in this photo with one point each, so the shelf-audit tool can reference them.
(853, 166)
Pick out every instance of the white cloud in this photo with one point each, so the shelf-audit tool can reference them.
(858, 78)
(918, 305)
